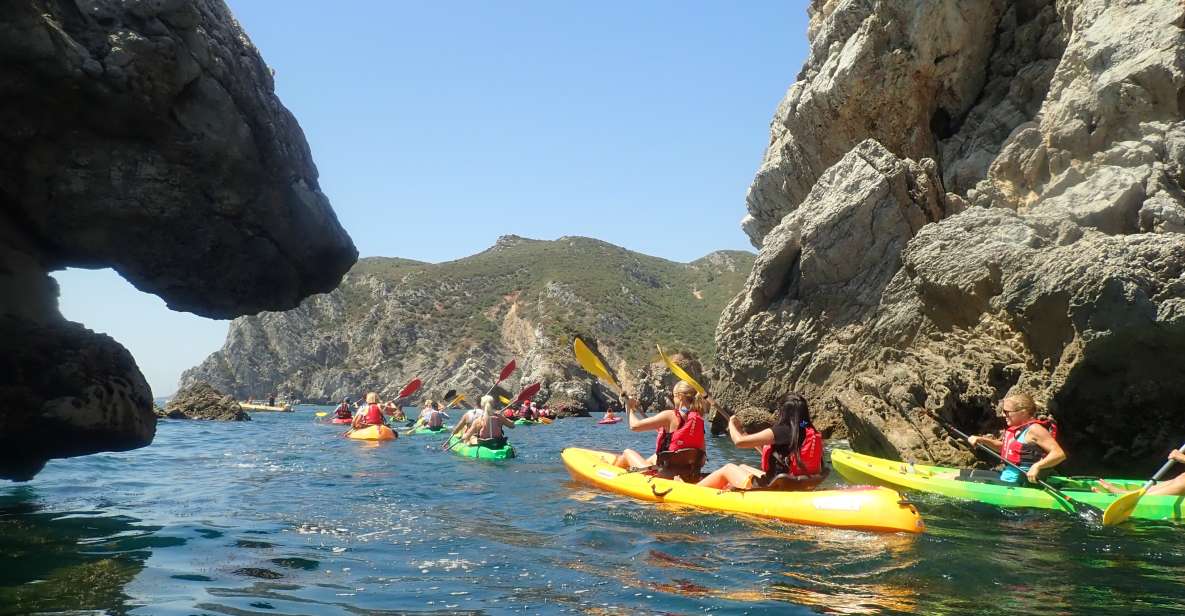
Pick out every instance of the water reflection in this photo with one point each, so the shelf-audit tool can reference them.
(68, 560)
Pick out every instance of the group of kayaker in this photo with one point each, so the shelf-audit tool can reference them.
(791, 450)
(529, 411)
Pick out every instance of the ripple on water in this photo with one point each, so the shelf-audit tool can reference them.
(206, 520)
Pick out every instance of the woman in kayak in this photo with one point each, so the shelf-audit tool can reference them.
(371, 414)
(792, 446)
(486, 428)
(679, 428)
(343, 410)
(394, 411)
(432, 416)
(1028, 442)
(1172, 487)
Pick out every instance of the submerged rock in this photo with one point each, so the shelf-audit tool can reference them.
(201, 401)
(1035, 244)
(145, 137)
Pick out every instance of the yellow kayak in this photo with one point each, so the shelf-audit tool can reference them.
(372, 433)
(864, 508)
(251, 406)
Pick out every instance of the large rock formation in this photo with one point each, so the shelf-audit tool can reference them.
(146, 137)
(201, 401)
(960, 200)
(456, 324)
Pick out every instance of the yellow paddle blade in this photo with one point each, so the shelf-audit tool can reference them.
(320, 413)
(679, 372)
(592, 364)
(1119, 511)
(504, 400)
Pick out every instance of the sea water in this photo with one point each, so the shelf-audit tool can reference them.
(281, 515)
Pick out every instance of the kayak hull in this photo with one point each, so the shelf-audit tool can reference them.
(479, 452)
(263, 408)
(429, 431)
(337, 420)
(864, 508)
(526, 422)
(372, 433)
(863, 468)
(608, 422)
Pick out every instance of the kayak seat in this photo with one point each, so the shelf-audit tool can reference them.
(791, 483)
(492, 443)
(683, 463)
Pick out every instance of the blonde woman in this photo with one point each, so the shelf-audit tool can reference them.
(679, 428)
(371, 414)
(487, 426)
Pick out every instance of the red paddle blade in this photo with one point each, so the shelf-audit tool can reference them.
(410, 388)
(507, 371)
(527, 393)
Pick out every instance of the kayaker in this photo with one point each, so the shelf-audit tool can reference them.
(371, 414)
(343, 410)
(609, 414)
(432, 416)
(1172, 487)
(463, 423)
(792, 446)
(680, 428)
(486, 429)
(1028, 442)
(394, 411)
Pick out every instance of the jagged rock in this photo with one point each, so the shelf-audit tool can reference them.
(146, 137)
(454, 325)
(654, 381)
(1048, 257)
(201, 401)
(754, 420)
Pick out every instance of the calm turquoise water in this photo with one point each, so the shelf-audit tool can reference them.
(279, 516)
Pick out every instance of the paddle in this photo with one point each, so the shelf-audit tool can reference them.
(504, 400)
(506, 371)
(682, 374)
(1086, 511)
(1120, 510)
(525, 394)
(592, 364)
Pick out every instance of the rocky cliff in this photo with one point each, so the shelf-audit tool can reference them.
(455, 324)
(146, 137)
(962, 199)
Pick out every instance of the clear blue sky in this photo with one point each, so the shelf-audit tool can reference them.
(439, 126)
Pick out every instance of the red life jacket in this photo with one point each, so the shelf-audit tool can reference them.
(343, 411)
(776, 460)
(1021, 454)
(374, 415)
(689, 434)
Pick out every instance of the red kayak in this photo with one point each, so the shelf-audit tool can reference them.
(606, 422)
(341, 420)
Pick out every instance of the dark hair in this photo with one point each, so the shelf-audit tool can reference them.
(793, 413)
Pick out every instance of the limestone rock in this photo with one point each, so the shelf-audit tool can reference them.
(201, 401)
(1036, 244)
(455, 325)
(146, 137)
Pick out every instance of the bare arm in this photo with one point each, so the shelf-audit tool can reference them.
(474, 427)
(986, 441)
(505, 422)
(1054, 455)
(740, 439)
(652, 423)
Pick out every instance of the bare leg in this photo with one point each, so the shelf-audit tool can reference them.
(728, 475)
(1172, 487)
(630, 459)
(1112, 488)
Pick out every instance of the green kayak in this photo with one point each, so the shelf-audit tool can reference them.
(860, 468)
(526, 422)
(480, 452)
(426, 430)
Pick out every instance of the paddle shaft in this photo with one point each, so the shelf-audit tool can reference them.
(996, 455)
(1163, 470)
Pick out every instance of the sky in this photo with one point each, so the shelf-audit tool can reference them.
(439, 126)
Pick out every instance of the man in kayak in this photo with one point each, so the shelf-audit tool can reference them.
(371, 414)
(680, 429)
(394, 411)
(791, 447)
(1028, 442)
(343, 410)
(1172, 487)
(431, 416)
(486, 428)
